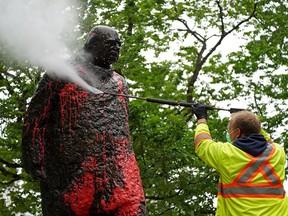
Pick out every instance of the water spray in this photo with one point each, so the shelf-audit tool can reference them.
(173, 103)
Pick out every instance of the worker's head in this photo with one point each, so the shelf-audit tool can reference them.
(102, 46)
(243, 123)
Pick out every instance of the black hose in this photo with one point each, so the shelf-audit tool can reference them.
(174, 103)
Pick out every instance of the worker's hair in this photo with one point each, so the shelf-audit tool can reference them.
(246, 121)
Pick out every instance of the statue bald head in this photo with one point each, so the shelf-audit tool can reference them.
(102, 46)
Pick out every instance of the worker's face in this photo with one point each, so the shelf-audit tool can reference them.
(233, 132)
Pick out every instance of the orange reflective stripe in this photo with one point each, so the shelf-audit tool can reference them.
(242, 185)
(257, 165)
(270, 175)
(251, 190)
(250, 185)
(252, 196)
(201, 136)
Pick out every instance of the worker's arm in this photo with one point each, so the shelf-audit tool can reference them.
(33, 136)
(209, 151)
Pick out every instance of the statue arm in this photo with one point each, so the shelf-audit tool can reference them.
(33, 135)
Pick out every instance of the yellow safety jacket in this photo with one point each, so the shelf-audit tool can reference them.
(248, 186)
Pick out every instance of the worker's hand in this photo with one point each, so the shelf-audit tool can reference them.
(200, 110)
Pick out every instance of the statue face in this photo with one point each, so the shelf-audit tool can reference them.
(105, 44)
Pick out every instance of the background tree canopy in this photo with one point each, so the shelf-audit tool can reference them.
(172, 49)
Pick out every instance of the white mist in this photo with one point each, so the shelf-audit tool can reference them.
(40, 32)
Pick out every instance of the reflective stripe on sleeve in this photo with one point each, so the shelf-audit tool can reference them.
(200, 137)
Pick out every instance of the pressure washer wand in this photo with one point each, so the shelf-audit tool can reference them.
(174, 103)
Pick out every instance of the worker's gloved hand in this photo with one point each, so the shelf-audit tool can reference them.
(200, 110)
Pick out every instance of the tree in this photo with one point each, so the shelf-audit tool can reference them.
(175, 181)
(17, 85)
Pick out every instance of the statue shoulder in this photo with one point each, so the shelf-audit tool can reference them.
(119, 73)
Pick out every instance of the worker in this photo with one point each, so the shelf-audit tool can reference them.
(251, 166)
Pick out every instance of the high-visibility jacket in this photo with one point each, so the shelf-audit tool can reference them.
(248, 186)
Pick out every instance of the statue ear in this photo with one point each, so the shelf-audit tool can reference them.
(88, 47)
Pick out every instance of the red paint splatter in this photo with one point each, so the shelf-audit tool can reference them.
(61, 146)
(27, 127)
(38, 132)
(126, 200)
(82, 192)
(123, 200)
(38, 135)
(116, 77)
(70, 100)
(128, 195)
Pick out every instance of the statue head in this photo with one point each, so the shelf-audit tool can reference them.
(102, 46)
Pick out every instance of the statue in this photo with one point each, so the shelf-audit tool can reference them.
(77, 144)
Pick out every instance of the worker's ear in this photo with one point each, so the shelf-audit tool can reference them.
(238, 132)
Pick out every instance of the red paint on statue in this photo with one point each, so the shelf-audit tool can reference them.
(27, 127)
(50, 86)
(120, 86)
(38, 133)
(126, 199)
(122, 98)
(81, 194)
(70, 99)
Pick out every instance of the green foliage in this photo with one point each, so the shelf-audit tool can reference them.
(175, 181)
(170, 169)
(17, 84)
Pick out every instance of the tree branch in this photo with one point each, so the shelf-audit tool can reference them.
(198, 66)
(131, 4)
(10, 182)
(224, 34)
(256, 102)
(153, 164)
(7, 173)
(9, 88)
(202, 179)
(168, 209)
(200, 61)
(221, 15)
(8, 164)
(163, 197)
(194, 33)
(253, 14)
(214, 35)
(179, 190)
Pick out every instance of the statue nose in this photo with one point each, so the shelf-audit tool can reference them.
(117, 47)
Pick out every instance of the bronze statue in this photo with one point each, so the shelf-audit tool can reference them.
(77, 144)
